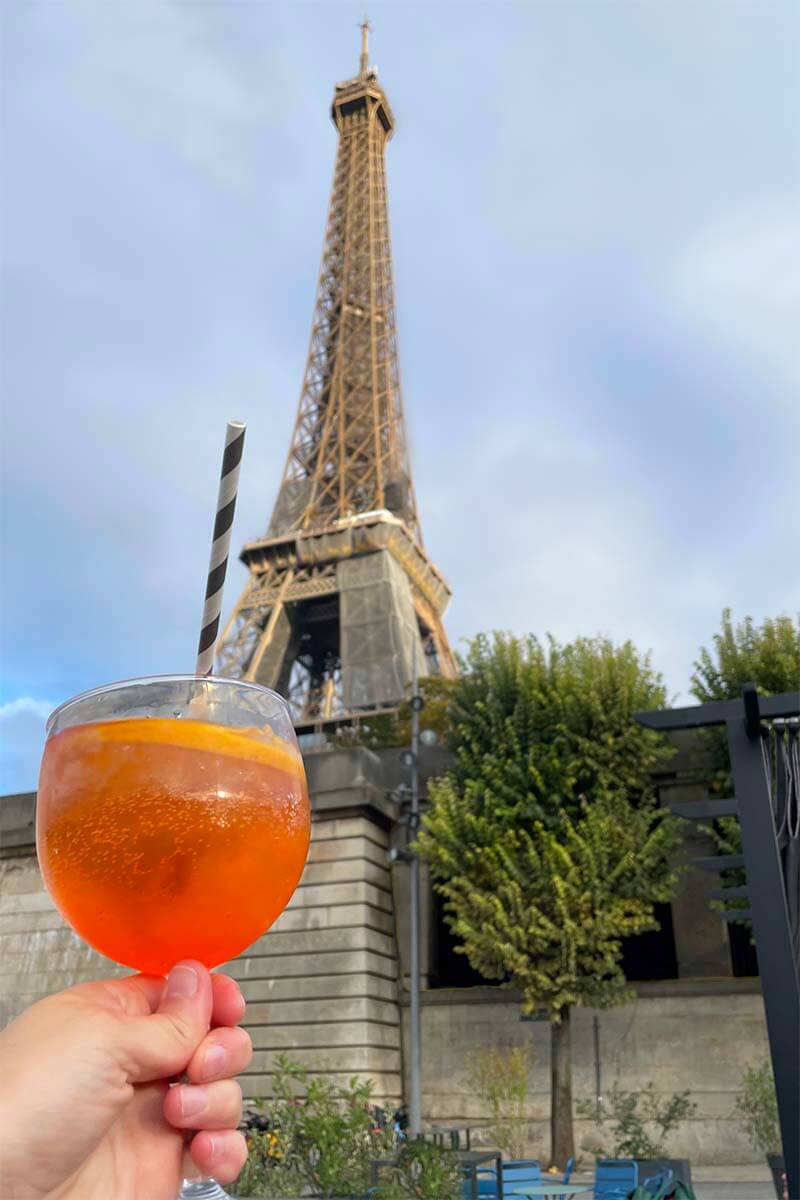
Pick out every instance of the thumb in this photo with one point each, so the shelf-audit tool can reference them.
(161, 1044)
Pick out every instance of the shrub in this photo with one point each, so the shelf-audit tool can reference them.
(500, 1078)
(627, 1116)
(316, 1137)
(423, 1172)
(266, 1172)
(757, 1109)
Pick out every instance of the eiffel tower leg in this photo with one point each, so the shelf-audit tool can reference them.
(444, 655)
(269, 628)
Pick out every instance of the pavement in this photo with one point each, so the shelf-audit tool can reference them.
(733, 1183)
(747, 1190)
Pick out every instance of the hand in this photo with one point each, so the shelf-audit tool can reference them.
(86, 1111)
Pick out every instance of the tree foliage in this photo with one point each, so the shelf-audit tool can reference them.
(545, 907)
(767, 655)
(393, 729)
(537, 726)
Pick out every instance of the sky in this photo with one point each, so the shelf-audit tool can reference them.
(595, 214)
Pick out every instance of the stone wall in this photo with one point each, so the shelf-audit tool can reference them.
(684, 1035)
(39, 953)
(321, 986)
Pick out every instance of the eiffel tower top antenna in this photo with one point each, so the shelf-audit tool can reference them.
(363, 66)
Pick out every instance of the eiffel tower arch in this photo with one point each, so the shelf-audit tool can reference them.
(342, 596)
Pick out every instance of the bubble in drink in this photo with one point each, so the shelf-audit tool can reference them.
(161, 839)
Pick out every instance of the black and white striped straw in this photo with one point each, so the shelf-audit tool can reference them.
(220, 546)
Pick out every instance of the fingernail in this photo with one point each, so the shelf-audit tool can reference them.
(181, 981)
(193, 1101)
(216, 1145)
(214, 1060)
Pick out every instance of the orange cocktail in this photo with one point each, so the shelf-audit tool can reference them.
(163, 838)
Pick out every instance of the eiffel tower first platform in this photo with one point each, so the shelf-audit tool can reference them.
(341, 594)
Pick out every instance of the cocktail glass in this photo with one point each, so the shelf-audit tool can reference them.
(172, 821)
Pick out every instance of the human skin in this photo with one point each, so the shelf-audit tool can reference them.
(86, 1107)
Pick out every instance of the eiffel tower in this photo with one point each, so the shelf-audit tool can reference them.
(342, 597)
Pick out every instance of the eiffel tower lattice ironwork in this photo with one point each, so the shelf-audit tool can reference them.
(341, 595)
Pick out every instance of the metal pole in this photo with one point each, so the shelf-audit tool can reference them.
(415, 1097)
(780, 986)
(598, 1088)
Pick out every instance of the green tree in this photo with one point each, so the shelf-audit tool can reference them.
(546, 843)
(767, 655)
(393, 729)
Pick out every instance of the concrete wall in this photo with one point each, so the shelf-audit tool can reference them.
(678, 1036)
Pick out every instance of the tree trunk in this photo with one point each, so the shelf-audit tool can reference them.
(562, 1139)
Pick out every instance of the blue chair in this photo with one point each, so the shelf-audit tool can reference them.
(568, 1169)
(658, 1186)
(615, 1178)
(484, 1186)
(519, 1171)
(487, 1183)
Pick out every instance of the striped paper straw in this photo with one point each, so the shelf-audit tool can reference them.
(221, 544)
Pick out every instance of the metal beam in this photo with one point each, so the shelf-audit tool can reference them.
(731, 893)
(705, 810)
(718, 712)
(778, 968)
(733, 915)
(718, 862)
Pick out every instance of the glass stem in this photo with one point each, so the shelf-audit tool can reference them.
(202, 1189)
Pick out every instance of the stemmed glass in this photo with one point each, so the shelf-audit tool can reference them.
(172, 821)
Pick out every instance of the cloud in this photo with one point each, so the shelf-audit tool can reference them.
(22, 726)
(25, 706)
(741, 282)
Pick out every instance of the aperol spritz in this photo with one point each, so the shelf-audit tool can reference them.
(172, 818)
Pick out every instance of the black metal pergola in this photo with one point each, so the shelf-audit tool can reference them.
(764, 744)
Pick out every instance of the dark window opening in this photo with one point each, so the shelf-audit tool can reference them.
(652, 955)
(744, 960)
(448, 969)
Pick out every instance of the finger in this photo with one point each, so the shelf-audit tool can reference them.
(140, 994)
(224, 1052)
(213, 1106)
(160, 1045)
(221, 1154)
(135, 995)
(228, 1008)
